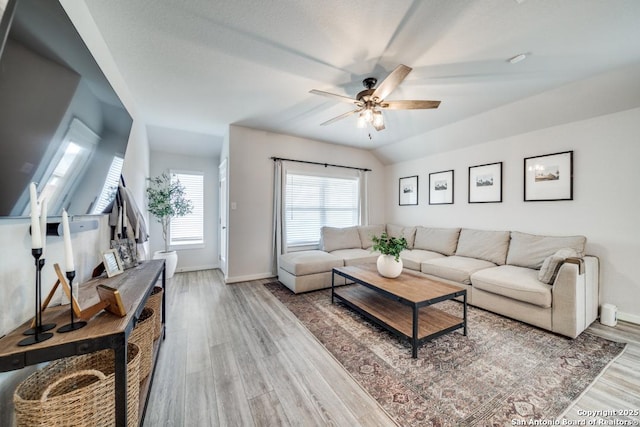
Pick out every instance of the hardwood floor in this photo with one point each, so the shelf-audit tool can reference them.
(234, 355)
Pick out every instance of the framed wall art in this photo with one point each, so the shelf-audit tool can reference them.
(408, 190)
(485, 183)
(548, 177)
(441, 188)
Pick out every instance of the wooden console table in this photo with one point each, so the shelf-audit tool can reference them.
(104, 331)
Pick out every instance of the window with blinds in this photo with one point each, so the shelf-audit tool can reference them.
(312, 202)
(189, 229)
(110, 187)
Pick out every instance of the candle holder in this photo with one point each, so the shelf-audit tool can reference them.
(38, 332)
(73, 325)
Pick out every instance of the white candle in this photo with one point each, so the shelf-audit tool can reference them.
(33, 197)
(43, 224)
(36, 238)
(68, 251)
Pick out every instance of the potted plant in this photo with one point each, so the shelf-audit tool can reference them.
(166, 200)
(389, 263)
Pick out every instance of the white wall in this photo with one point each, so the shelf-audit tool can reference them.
(207, 256)
(251, 189)
(17, 269)
(605, 206)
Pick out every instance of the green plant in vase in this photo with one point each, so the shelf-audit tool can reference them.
(389, 262)
(166, 200)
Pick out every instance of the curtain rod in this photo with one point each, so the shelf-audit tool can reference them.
(321, 164)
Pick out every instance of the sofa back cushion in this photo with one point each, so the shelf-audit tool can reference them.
(367, 231)
(408, 233)
(441, 240)
(482, 244)
(530, 250)
(332, 238)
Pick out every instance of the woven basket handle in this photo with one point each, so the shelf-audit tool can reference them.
(85, 372)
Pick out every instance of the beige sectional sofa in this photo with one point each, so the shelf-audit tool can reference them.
(546, 281)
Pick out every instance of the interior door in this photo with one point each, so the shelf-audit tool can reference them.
(222, 232)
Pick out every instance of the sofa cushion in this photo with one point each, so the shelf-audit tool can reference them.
(456, 268)
(408, 233)
(309, 262)
(552, 263)
(441, 240)
(332, 238)
(514, 282)
(356, 256)
(366, 231)
(413, 258)
(530, 250)
(483, 244)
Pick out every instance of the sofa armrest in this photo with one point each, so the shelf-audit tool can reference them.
(577, 261)
(575, 296)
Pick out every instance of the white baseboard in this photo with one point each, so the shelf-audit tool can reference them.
(197, 268)
(628, 317)
(250, 277)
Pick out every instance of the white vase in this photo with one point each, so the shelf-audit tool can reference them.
(170, 261)
(388, 266)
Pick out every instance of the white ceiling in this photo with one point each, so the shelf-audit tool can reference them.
(200, 65)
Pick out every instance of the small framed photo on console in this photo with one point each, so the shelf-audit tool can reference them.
(112, 262)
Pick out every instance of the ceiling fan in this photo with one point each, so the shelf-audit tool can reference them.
(370, 101)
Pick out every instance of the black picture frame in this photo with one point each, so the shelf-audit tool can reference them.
(441, 188)
(549, 177)
(408, 190)
(485, 183)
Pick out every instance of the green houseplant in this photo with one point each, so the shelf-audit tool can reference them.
(389, 262)
(166, 200)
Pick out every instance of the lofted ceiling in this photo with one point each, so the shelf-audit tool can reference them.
(199, 66)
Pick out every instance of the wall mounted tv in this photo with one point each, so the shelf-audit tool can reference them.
(61, 123)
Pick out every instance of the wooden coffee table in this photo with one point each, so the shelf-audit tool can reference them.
(404, 305)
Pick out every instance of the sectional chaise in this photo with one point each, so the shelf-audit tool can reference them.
(546, 281)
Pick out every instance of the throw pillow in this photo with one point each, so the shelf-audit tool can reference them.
(367, 231)
(408, 233)
(332, 238)
(552, 263)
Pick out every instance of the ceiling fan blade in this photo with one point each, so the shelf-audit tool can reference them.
(340, 117)
(335, 97)
(409, 105)
(391, 82)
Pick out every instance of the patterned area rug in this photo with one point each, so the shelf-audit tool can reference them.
(502, 371)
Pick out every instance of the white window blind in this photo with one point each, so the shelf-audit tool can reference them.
(110, 187)
(312, 202)
(189, 229)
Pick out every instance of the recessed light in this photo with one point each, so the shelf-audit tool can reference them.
(518, 58)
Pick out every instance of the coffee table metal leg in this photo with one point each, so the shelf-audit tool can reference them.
(414, 341)
(465, 314)
(333, 283)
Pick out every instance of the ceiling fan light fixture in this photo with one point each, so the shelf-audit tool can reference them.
(378, 120)
(368, 114)
(362, 122)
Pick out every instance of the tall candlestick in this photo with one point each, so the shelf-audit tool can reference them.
(36, 237)
(43, 226)
(68, 251)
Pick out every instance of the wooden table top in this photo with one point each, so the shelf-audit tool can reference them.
(411, 285)
(103, 324)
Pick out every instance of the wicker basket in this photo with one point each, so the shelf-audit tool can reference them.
(142, 335)
(155, 302)
(77, 391)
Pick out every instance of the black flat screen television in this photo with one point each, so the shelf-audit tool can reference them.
(62, 125)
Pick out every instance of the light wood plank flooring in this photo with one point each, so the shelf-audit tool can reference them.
(234, 355)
